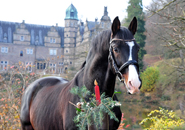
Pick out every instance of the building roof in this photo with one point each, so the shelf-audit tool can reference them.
(71, 13)
(92, 24)
(6, 30)
(37, 32)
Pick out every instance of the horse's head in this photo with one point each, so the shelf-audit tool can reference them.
(123, 55)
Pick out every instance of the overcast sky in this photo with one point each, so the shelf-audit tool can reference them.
(50, 12)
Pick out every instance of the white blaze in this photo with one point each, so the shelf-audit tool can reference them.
(130, 44)
(133, 82)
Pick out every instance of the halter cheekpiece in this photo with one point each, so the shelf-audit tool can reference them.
(126, 64)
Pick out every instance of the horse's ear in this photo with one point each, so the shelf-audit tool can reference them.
(115, 25)
(133, 26)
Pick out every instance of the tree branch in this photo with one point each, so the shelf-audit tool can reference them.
(155, 12)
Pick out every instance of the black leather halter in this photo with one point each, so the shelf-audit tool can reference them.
(126, 64)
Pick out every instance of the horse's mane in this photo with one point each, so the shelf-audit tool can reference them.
(100, 42)
(83, 64)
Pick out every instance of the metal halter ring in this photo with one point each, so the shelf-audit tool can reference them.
(120, 76)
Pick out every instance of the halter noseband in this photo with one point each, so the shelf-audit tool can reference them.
(126, 64)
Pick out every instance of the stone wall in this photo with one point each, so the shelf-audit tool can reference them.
(40, 53)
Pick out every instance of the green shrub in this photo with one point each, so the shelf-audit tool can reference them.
(143, 100)
(162, 120)
(165, 97)
(148, 97)
(181, 89)
(155, 102)
(149, 78)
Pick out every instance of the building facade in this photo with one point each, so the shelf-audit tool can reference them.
(49, 48)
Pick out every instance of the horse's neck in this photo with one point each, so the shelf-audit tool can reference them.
(99, 69)
(110, 79)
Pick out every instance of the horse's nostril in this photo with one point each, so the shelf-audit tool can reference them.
(129, 93)
(130, 83)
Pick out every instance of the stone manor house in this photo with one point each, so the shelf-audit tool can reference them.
(53, 47)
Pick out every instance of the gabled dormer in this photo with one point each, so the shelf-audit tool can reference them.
(21, 34)
(52, 39)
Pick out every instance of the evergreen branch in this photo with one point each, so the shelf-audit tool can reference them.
(85, 117)
(109, 110)
(92, 113)
(82, 98)
(93, 103)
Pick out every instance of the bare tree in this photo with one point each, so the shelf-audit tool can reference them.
(165, 26)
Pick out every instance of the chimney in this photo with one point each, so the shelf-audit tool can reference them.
(82, 23)
(105, 11)
(96, 19)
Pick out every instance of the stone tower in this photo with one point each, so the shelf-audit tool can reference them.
(105, 20)
(70, 32)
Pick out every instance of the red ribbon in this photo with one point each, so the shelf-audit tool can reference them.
(97, 92)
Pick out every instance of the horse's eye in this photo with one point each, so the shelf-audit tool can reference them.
(116, 50)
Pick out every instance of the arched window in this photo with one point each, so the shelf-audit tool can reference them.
(54, 41)
(22, 38)
(51, 40)
(21, 53)
(72, 14)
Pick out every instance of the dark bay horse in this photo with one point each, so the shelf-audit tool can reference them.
(45, 103)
